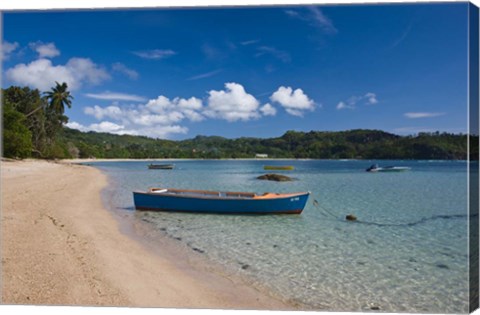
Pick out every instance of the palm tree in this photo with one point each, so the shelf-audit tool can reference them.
(58, 97)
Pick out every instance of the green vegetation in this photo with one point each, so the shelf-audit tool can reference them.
(352, 144)
(34, 126)
(17, 139)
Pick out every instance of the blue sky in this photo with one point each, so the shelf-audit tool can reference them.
(251, 71)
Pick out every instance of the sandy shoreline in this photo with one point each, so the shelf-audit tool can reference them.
(61, 247)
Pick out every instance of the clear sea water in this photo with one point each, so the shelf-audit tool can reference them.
(408, 252)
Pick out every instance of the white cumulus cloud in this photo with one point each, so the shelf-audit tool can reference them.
(87, 71)
(155, 119)
(100, 112)
(232, 104)
(76, 125)
(268, 110)
(176, 109)
(158, 117)
(343, 105)
(192, 103)
(295, 102)
(371, 98)
(159, 105)
(42, 74)
(192, 115)
(104, 126)
(163, 117)
(45, 50)
(6, 49)
(107, 126)
(110, 127)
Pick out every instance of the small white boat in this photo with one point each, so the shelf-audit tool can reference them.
(375, 168)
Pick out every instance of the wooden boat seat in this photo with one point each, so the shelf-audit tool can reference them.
(266, 195)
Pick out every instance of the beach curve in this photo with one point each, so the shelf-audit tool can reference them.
(60, 246)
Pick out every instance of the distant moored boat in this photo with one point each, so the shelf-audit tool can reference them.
(375, 168)
(161, 166)
(203, 201)
(279, 167)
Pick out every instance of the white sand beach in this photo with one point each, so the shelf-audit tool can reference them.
(60, 246)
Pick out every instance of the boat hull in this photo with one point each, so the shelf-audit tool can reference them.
(288, 204)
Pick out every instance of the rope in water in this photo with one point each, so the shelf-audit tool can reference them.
(353, 219)
(316, 204)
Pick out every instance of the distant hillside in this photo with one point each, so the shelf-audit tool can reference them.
(352, 144)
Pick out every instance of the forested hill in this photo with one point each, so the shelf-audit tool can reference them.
(352, 144)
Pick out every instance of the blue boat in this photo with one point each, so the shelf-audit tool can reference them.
(204, 201)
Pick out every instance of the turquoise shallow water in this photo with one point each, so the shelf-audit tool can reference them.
(408, 253)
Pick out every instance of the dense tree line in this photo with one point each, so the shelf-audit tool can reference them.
(33, 126)
(352, 144)
(32, 122)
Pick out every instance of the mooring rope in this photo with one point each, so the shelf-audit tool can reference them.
(353, 219)
(316, 204)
